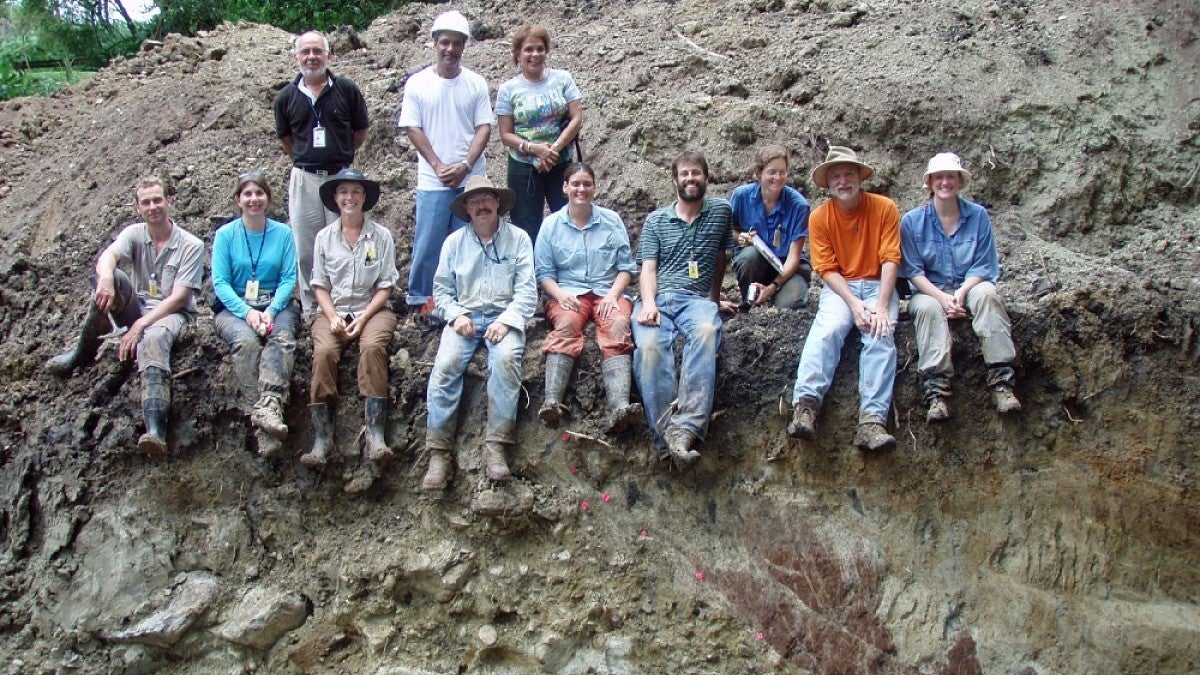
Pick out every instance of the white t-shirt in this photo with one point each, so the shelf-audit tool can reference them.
(447, 110)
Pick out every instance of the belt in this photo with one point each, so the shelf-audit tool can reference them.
(327, 170)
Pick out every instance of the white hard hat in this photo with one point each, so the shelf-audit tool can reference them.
(452, 21)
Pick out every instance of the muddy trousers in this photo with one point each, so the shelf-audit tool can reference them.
(990, 322)
(446, 383)
(751, 267)
(154, 349)
(374, 343)
(613, 333)
(261, 365)
(823, 349)
(695, 318)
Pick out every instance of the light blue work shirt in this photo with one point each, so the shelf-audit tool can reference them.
(948, 261)
(587, 260)
(789, 218)
(493, 279)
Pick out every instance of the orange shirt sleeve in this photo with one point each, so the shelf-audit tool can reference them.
(889, 236)
(820, 243)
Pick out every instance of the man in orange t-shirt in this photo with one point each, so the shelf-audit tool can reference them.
(854, 241)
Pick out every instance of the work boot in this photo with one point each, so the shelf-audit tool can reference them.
(493, 462)
(1004, 399)
(377, 449)
(440, 468)
(86, 345)
(872, 435)
(937, 394)
(269, 447)
(267, 416)
(558, 372)
(804, 420)
(323, 448)
(679, 446)
(621, 413)
(156, 400)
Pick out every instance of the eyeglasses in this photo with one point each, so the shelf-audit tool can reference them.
(479, 200)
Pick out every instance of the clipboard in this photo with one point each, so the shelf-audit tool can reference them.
(762, 248)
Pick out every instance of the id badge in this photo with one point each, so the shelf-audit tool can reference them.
(318, 137)
(370, 250)
(153, 286)
(251, 294)
(693, 269)
(778, 237)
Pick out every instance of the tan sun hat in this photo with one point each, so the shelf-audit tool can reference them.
(481, 184)
(945, 161)
(839, 155)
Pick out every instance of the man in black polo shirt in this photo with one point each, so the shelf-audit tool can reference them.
(682, 254)
(321, 121)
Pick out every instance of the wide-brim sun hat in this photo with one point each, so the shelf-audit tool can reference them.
(349, 175)
(476, 184)
(945, 161)
(839, 155)
(451, 21)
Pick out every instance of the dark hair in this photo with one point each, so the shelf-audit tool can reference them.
(256, 177)
(525, 32)
(767, 154)
(689, 157)
(575, 167)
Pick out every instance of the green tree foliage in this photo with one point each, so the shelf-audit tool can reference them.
(189, 16)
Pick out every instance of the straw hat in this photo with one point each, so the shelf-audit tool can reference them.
(839, 155)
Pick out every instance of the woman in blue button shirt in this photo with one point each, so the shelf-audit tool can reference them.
(778, 214)
(254, 274)
(950, 260)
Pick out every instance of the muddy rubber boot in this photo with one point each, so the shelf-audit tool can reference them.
(440, 468)
(558, 372)
(156, 400)
(872, 435)
(377, 449)
(493, 462)
(267, 416)
(322, 424)
(86, 345)
(804, 420)
(937, 394)
(621, 413)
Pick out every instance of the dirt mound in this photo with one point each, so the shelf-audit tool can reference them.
(1060, 541)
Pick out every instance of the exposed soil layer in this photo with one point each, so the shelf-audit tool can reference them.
(1062, 539)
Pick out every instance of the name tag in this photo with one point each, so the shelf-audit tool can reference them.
(318, 137)
(693, 269)
(251, 294)
(369, 250)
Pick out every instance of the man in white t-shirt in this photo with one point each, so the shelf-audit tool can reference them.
(447, 115)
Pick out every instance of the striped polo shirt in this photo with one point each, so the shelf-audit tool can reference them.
(674, 243)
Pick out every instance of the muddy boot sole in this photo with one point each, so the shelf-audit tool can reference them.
(552, 415)
(152, 446)
(626, 418)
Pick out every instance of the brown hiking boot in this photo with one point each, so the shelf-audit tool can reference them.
(1004, 399)
(440, 468)
(268, 416)
(872, 435)
(493, 462)
(939, 410)
(679, 447)
(804, 420)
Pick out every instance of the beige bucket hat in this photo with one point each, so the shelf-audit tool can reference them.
(481, 184)
(839, 155)
(945, 161)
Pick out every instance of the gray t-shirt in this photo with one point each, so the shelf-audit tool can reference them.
(179, 263)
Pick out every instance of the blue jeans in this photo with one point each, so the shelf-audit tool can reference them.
(823, 350)
(261, 365)
(533, 190)
(697, 319)
(446, 383)
(434, 224)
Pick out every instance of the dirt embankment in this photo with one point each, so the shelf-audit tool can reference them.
(1063, 540)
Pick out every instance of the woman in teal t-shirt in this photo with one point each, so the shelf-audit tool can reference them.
(254, 274)
(540, 112)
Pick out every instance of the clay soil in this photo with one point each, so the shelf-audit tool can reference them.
(1063, 539)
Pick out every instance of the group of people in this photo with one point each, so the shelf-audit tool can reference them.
(482, 252)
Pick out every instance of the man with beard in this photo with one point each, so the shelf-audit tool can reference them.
(156, 302)
(447, 116)
(485, 289)
(854, 240)
(682, 254)
(321, 120)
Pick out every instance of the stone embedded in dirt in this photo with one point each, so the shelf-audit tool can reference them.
(263, 616)
(512, 501)
(165, 627)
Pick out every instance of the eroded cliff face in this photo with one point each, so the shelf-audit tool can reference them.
(1060, 540)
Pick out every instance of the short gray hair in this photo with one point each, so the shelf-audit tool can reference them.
(296, 40)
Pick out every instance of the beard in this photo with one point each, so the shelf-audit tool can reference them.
(701, 190)
(313, 73)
